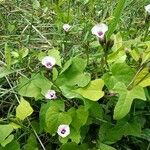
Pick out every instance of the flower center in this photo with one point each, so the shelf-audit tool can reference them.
(51, 95)
(63, 131)
(48, 64)
(100, 33)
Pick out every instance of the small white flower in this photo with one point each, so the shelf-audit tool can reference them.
(51, 94)
(99, 30)
(147, 8)
(48, 62)
(66, 27)
(63, 130)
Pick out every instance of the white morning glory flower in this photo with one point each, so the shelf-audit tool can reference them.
(48, 62)
(147, 8)
(99, 30)
(66, 27)
(51, 94)
(63, 130)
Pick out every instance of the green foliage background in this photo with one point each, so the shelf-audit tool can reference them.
(103, 92)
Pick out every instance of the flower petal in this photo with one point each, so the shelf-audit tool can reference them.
(48, 61)
(147, 8)
(63, 130)
(99, 30)
(66, 27)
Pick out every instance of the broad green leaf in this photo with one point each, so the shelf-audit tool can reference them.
(27, 88)
(105, 147)
(117, 42)
(56, 54)
(69, 146)
(118, 56)
(135, 54)
(93, 91)
(23, 52)
(7, 56)
(4, 71)
(23, 110)
(35, 87)
(41, 82)
(5, 131)
(14, 145)
(66, 65)
(52, 115)
(109, 80)
(54, 118)
(72, 77)
(143, 78)
(122, 72)
(110, 134)
(36, 4)
(94, 108)
(79, 117)
(7, 140)
(44, 109)
(126, 98)
(73, 73)
(31, 143)
(116, 16)
(74, 136)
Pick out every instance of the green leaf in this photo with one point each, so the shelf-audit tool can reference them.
(4, 71)
(54, 118)
(116, 16)
(118, 56)
(36, 4)
(122, 72)
(7, 56)
(93, 91)
(14, 145)
(42, 82)
(143, 78)
(105, 147)
(5, 131)
(109, 80)
(79, 117)
(35, 87)
(56, 54)
(126, 98)
(72, 76)
(31, 143)
(23, 52)
(69, 146)
(27, 88)
(110, 134)
(23, 110)
(94, 108)
(52, 115)
(7, 140)
(43, 111)
(117, 42)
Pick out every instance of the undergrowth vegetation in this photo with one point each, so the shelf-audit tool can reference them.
(74, 74)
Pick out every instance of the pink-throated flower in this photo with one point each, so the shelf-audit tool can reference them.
(51, 94)
(147, 9)
(99, 30)
(48, 62)
(66, 27)
(63, 130)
